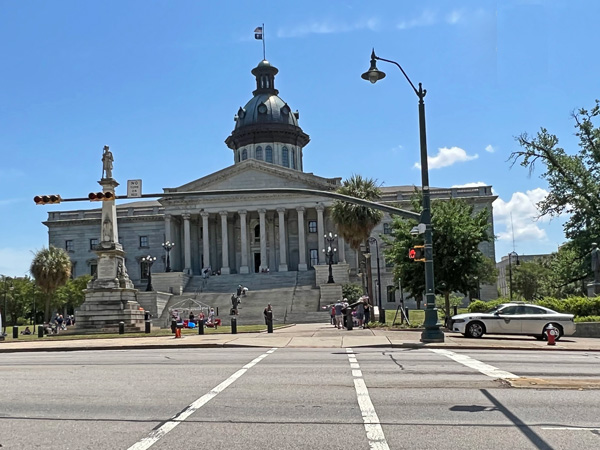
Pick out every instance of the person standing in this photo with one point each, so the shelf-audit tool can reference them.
(367, 306)
(268, 313)
(338, 315)
(360, 314)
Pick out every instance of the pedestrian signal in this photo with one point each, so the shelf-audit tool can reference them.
(417, 253)
(45, 199)
(101, 196)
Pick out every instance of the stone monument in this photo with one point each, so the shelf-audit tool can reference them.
(110, 297)
(594, 287)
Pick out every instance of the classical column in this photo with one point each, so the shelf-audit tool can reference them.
(205, 243)
(320, 232)
(225, 243)
(263, 239)
(244, 236)
(282, 247)
(187, 244)
(341, 249)
(302, 267)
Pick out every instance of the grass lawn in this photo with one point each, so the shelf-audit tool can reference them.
(71, 333)
(415, 316)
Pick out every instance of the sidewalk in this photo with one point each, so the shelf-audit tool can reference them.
(305, 336)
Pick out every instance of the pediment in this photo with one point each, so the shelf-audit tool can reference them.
(251, 174)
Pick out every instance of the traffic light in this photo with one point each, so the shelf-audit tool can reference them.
(45, 199)
(417, 253)
(101, 196)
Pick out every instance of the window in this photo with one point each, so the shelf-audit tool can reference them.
(244, 155)
(312, 226)
(293, 158)
(259, 153)
(69, 245)
(144, 241)
(257, 233)
(314, 257)
(285, 157)
(387, 228)
(143, 270)
(93, 243)
(269, 154)
(93, 269)
(391, 293)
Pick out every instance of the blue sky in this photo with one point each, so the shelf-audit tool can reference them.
(160, 82)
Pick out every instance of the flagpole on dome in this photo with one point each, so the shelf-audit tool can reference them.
(259, 33)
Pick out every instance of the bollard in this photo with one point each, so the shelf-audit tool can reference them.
(15, 332)
(40, 331)
(201, 326)
(349, 322)
(406, 310)
(121, 327)
(233, 325)
(148, 326)
(455, 310)
(173, 325)
(269, 326)
(178, 330)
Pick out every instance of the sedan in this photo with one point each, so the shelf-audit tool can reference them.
(514, 318)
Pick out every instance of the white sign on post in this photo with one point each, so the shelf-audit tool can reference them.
(134, 188)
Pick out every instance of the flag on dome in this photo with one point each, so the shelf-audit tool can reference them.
(258, 33)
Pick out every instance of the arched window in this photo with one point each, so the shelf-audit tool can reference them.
(293, 158)
(269, 154)
(285, 157)
(259, 152)
(244, 155)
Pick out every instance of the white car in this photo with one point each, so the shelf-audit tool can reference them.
(513, 318)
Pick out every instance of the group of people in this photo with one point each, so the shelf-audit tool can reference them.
(236, 299)
(343, 313)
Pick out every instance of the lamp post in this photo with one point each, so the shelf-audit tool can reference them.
(4, 313)
(168, 246)
(381, 309)
(511, 255)
(329, 238)
(149, 260)
(432, 331)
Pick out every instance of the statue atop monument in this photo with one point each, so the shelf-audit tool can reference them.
(107, 163)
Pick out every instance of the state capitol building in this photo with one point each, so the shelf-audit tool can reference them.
(248, 233)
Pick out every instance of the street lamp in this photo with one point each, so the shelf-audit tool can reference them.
(432, 331)
(168, 246)
(5, 315)
(511, 255)
(149, 260)
(381, 309)
(329, 252)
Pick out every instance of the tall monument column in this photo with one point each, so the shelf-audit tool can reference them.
(110, 297)
(320, 232)
(205, 243)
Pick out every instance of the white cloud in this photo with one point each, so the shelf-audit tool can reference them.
(472, 184)
(426, 18)
(520, 214)
(328, 27)
(447, 157)
(454, 17)
(397, 149)
(490, 149)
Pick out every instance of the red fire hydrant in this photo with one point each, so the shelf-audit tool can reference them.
(551, 333)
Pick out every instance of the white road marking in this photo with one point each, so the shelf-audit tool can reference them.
(155, 435)
(482, 367)
(373, 428)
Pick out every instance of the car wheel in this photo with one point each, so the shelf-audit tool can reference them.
(475, 330)
(555, 325)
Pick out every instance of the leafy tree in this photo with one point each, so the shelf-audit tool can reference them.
(71, 295)
(355, 222)
(531, 280)
(352, 292)
(459, 265)
(51, 268)
(573, 178)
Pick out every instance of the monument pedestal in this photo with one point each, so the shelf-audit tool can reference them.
(104, 309)
(593, 289)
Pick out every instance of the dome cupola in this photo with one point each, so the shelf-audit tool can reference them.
(266, 129)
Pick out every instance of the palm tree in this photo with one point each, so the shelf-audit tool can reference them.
(51, 268)
(355, 222)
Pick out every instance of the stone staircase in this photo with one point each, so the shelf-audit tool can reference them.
(293, 296)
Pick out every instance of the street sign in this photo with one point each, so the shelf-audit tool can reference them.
(134, 188)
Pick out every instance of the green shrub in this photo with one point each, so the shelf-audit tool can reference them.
(588, 319)
(480, 306)
(22, 321)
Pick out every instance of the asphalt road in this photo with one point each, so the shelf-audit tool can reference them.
(297, 399)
